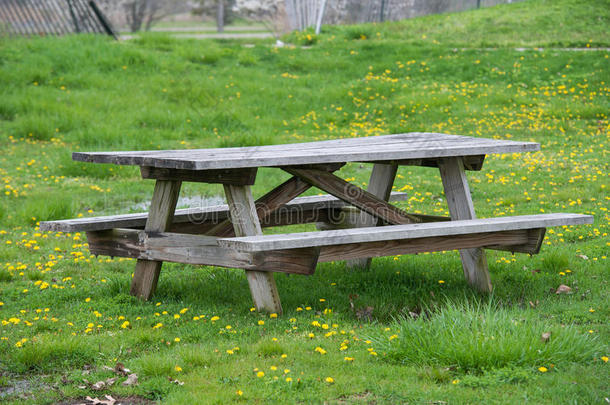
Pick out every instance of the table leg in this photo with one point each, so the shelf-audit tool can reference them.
(380, 185)
(246, 223)
(160, 216)
(460, 205)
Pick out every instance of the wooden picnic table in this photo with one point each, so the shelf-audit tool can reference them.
(357, 224)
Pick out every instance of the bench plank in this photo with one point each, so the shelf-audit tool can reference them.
(422, 145)
(215, 214)
(196, 250)
(399, 232)
(352, 251)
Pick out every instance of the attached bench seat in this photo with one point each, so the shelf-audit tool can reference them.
(198, 220)
(300, 252)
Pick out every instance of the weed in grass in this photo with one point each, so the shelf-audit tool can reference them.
(269, 349)
(5, 276)
(47, 354)
(478, 336)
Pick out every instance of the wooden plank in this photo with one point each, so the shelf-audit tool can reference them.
(470, 162)
(196, 250)
(265, 205)
(160, 216)
(380, 185)
(368, 149)
(336, 218)
(399, 232)
(459, 200)
(353, 195)
(245, 223)
(532, 245)
(219, 176)
(193, 216)
(352, 251)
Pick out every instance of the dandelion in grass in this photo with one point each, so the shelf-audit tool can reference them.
(329, 380)
(543, 369)
(178, 368)
(261, 322)
(604, 359)
(260, 374)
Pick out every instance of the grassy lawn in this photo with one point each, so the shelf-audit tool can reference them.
(408, 331)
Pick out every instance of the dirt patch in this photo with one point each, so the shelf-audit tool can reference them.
(365, 397)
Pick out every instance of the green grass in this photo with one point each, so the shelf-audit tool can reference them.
(475, 336)
(59, 95)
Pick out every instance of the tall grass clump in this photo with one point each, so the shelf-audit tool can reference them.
(480, 336)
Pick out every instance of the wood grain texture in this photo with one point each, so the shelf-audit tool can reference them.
(197, 250)
(213, 214)
(245, 177)
(399, 232)
(380, 185)
(470, 162)
(459, 200)
(368, 149)
(504, 239)
(266, 205)
(245, 223)
(353, 195)
(160, 216)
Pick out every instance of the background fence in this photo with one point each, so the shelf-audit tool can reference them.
(52, 17)
(304, 13)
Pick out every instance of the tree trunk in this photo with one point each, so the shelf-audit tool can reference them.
(220, 16)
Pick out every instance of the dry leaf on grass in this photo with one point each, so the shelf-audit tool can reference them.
(108, 401)
(563, 289)
(120, 369)
(174, 381)
(132, 379)
(98, 386)
(545, 336)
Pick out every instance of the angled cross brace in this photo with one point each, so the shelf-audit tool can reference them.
(353, 195)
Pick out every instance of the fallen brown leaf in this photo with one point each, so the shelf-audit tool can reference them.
(108, 401)
(584, 257)
(545, 336)
(98, 386)
(132, 379)
(120, 369)
(563, 289)
(174, 381)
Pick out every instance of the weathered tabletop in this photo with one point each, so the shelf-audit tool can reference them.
(417, 145)
(369, 225)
